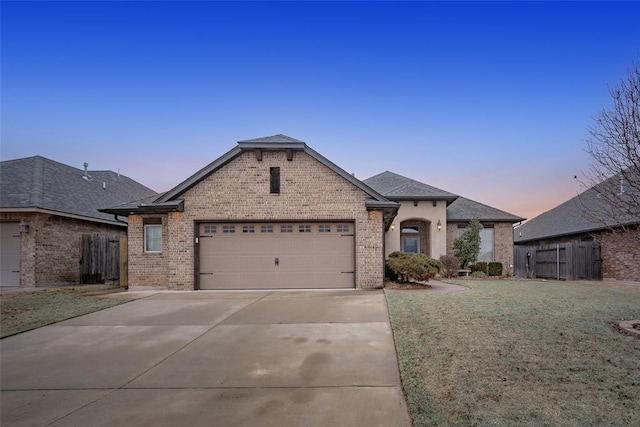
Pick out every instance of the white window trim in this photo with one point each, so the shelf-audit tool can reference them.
(146, 250)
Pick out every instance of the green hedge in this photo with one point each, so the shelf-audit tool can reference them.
(495, 269)
(409, 266)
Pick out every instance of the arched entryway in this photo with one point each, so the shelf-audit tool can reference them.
(415, 236)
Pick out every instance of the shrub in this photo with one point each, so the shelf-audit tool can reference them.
(478, 266)
(410, 266)
(450, 265)
(495, 269)
(478, 275)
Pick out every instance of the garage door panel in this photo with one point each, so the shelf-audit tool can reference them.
(10, 254)
(276, 259)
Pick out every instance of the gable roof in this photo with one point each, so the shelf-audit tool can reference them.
(40, 184)
(572, 216)
(171, 199)
(398, 187)
(464, 210)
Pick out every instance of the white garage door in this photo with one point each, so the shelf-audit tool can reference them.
(276, 255)
(9, 254)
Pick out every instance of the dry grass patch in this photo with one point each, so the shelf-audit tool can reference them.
(22, 311)
(519, 353)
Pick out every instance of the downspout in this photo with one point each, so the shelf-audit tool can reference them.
(558, 259)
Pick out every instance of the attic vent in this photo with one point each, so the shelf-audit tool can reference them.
(86, 173)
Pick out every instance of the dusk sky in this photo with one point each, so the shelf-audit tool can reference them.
(490, 101)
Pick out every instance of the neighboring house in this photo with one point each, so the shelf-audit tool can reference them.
(579, 226)
(270, 213)
(429, 220)
(45, 208)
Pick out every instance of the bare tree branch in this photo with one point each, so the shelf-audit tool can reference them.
(612, 198)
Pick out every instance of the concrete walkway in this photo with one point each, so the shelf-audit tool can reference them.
(285, 358)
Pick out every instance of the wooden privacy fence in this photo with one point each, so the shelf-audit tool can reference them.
(100, 258)
(564, 261)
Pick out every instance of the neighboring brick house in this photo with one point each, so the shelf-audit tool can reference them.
(270, 213)
(583, 219)
(45, 208)
(429, 220)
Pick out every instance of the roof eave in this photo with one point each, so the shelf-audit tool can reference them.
(145, 208)
(448, 199)
(512, 220)
(62, 214)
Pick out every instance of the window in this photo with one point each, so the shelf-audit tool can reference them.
(274, 175)
(228, 229)
(342, 228)
(324, 228)
(248, 229)
(153, 238)
(209, 229)
(486, 245)
(266, 229)
(304, 229)
(411, 244)
(286, 228)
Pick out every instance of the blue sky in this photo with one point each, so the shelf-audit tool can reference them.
(487, 100)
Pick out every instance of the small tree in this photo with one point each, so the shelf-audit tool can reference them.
(450, 265)
(467, 246)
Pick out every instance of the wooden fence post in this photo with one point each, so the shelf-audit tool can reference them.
(124, 262)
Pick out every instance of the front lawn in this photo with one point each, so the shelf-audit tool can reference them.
(519, 353)
(25, 310)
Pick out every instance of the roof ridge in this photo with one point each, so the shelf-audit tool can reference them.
(36, 198)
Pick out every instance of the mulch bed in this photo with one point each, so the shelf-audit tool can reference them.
(390, 284)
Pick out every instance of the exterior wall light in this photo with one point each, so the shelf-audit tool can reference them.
(24, 225)
(393, 227)
(439, 225)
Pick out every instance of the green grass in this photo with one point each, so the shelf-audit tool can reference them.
(519, 353)
(22, 311)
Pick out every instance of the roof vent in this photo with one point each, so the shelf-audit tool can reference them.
(86, 174)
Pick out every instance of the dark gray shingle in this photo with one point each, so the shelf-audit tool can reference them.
(398, 187)
(37, 182)
(464, 209)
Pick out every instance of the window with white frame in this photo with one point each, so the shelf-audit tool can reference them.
(153, 238)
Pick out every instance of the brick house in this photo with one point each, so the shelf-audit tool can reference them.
(269, 213)
(587, 218)
(274, 213)
(429, 220)
(45, 208)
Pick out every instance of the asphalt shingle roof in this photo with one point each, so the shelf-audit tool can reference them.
(273, 139)
(572, 217)
(37, 182)
(398, 187)
(463, 209)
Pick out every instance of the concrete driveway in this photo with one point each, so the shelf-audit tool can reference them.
(263, 358)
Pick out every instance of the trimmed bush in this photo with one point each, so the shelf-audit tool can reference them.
(409, 266)
(450, 265)
(478, 275)
(495, 269)
(478, 266)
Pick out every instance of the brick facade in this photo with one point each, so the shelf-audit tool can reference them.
(239, 191)
(502, 243)
(621, 255)
(50, 250)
